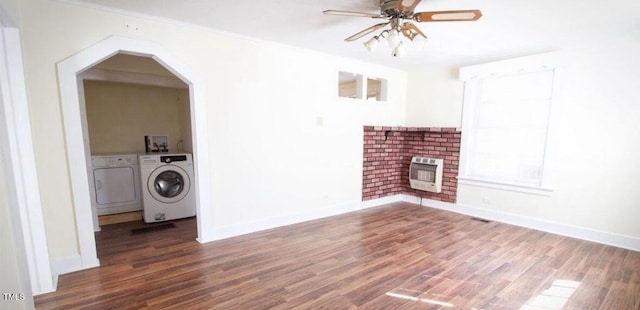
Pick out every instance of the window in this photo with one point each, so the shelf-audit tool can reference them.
(505, 130)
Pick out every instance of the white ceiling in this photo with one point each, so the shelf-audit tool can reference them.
(507, 28)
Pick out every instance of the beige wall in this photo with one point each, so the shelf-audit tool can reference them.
(10, 10)
(347, 89)
(134, 64)
(14, 275)
(120, 115)
(13, 272)
(185, 124)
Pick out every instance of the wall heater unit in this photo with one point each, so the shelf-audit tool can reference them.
(426, 174)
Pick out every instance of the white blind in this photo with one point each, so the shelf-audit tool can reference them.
(509, 128)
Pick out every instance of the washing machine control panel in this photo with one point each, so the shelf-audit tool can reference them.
(171, 158)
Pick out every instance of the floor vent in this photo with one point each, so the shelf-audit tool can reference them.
(149, 229)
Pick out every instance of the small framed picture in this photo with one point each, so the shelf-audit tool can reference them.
(156, 144)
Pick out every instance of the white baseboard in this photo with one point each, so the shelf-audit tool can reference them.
(583, 233)
(381, 201)
(279, 221)
(74, 263)
(603, 237)
(66, 264)
(69, 264)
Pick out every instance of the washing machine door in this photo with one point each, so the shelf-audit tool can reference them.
(169, 184)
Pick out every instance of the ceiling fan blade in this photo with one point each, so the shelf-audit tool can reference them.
(350, 13)
(411, 31)
(407, 5)
(365, 32)
(447, 16)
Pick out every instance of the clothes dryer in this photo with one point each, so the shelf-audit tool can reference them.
(116, 183)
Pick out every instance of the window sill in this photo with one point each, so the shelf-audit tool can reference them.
(506, 186)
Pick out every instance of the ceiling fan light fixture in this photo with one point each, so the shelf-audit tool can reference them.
(401, 17)
(394, 38)
(372, 43)
(398, 51)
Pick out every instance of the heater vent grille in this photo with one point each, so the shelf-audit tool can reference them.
(426, 174)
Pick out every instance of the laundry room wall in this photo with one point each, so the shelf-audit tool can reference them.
(119, 115)
(185, 143)
(275, 151)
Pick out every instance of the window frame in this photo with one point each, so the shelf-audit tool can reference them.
(471, 75)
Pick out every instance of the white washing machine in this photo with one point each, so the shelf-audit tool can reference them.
(116, 183)
(168, 191)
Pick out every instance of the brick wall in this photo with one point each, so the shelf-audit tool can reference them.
(387, 156)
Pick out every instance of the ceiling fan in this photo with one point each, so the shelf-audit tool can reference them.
(400, 16)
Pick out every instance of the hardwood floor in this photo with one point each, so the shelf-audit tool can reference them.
(399, 256)
(119, 218)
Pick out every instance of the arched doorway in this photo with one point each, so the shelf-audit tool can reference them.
(72, 99)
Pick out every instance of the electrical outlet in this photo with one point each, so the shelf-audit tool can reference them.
(486, 201)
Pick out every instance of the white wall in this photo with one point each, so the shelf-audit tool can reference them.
(283, 144)
(434, 98)
(596, 134)
(280, 139)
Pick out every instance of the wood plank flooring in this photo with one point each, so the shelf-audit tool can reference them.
(399, 256)
(119, 218)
